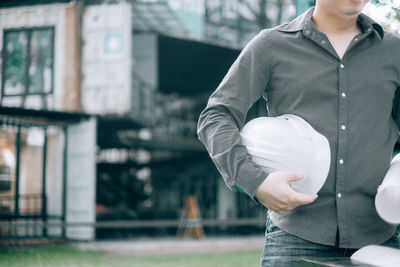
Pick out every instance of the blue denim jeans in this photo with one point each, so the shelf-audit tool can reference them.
(282, 249)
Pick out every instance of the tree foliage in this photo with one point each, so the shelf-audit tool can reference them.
(393, 15)
(394, 6)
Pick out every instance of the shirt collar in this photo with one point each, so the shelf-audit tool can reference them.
(304, 22)
(366, 23)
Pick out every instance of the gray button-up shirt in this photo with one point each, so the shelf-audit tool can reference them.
(352, 101)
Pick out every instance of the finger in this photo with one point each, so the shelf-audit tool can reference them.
(294, 177)
(283, 209)
(276, 208)
(272, 207)
(283, 212)
(303, 199)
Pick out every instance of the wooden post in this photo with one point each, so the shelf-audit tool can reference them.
(190, 220)
(72, 58)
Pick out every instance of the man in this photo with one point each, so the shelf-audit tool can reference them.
(337, 69)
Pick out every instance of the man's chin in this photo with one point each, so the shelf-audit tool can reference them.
(353, 12)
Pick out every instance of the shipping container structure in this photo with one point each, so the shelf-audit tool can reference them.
(145, 171)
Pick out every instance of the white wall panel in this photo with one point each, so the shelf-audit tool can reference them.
(107, 60)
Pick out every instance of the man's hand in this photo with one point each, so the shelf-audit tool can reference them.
(276, 194)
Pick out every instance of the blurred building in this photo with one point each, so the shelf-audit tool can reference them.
(143, 70)
(52, 176)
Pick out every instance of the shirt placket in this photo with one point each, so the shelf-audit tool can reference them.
(321, 40)
(343, 128)
(343, 140)
(341, 161)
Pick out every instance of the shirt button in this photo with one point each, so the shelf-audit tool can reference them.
(339, 195)
(342, 66)
(343, 127)
(369, 29)
(307, 32)
(355, 40)
(343, 95)
(341, 161)
(323, 42)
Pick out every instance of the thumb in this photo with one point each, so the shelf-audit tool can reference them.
(294, 177)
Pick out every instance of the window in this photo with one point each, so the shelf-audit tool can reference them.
(27, 67)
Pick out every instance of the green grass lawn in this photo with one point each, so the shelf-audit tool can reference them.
(66, 255)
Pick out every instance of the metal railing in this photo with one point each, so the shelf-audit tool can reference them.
(132, 224)
(29, 206)
(26, 209)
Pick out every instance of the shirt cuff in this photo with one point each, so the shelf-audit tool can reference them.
(250, 186)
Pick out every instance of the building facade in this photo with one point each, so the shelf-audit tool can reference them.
(143, 70)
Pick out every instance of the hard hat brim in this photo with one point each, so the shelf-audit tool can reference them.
(387, 201)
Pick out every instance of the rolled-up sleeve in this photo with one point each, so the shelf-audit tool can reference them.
(220, 122)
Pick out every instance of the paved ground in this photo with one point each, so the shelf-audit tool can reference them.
(170, 246)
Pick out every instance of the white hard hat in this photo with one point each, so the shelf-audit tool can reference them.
(387, 200)
(289, 143)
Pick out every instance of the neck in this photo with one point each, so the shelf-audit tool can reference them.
(329, 22)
